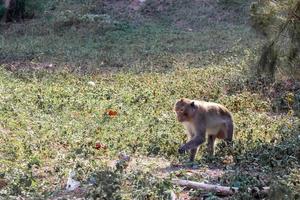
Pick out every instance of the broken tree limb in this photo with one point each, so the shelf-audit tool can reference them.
(220, 190)
(173, 195)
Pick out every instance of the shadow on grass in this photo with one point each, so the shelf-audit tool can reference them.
(267, 164)
(283, 94)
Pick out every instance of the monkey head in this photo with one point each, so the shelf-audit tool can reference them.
(185, 110)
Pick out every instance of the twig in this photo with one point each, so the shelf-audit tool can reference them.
(173, 196)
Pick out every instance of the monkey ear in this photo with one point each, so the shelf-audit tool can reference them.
(181, 100)
(193, 104)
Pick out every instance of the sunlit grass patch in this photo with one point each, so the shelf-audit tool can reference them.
(54, 120)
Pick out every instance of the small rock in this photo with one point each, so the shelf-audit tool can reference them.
(195, 166)
(71, 183)
(92, 180)
(91, 83)
(123, 161)
(124, 156)
(3, 183)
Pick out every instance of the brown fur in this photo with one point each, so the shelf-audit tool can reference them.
(203, 119)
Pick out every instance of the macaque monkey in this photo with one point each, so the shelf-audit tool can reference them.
(203, 120)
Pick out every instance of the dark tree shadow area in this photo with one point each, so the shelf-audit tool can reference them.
(275, 165)
(284, 94)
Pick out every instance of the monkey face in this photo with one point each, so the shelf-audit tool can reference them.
(182, 115)
(185, 110)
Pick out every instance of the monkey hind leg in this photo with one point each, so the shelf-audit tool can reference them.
(193, 154)
(211, 144)
(229, 127)
(229, 136)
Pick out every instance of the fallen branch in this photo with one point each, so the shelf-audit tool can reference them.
(173, 196)
(220, 190)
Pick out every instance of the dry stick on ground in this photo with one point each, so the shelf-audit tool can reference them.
(220, 190)
(173, 196)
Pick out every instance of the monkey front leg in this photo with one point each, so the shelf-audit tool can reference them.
(192, 144)
(193, 154)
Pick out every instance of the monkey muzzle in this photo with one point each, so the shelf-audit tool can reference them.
(181, 118)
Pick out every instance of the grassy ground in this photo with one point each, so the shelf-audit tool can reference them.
(122, 39)
(52, 118)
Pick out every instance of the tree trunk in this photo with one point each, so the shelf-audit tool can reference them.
(7, 7)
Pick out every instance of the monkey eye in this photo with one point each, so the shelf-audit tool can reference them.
(180, 110)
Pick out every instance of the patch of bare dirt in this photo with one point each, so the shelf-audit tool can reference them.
(136, 4)
(28, 65)
(159, 167)
(162, 168)
(78, 194)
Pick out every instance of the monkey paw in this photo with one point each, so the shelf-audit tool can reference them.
(181, 150)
